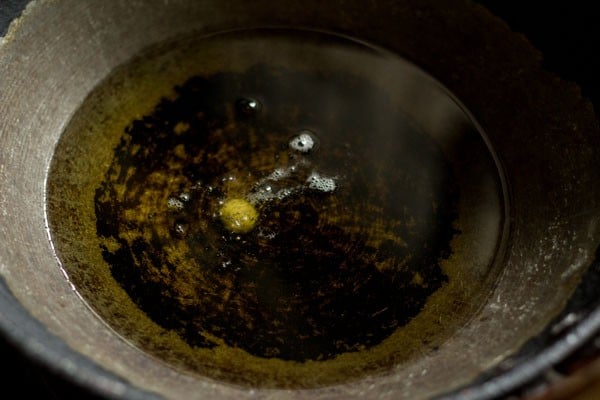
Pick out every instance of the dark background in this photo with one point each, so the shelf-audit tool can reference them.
(568, 35)
(566, 32)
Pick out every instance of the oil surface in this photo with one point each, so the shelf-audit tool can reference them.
(276, 223)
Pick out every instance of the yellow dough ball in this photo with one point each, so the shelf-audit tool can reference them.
(238, 215)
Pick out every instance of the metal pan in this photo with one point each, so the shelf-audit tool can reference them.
(540, 305)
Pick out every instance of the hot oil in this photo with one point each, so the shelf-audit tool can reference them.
(277, 208)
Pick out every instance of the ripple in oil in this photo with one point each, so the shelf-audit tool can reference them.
(277, 208)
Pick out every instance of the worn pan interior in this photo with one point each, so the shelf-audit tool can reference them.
(545, 136)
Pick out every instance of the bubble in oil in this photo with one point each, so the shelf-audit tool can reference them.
(175, 203)
(322, 183)
(304, 142)
(248, 107)
(184, 197)
(180, 229)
